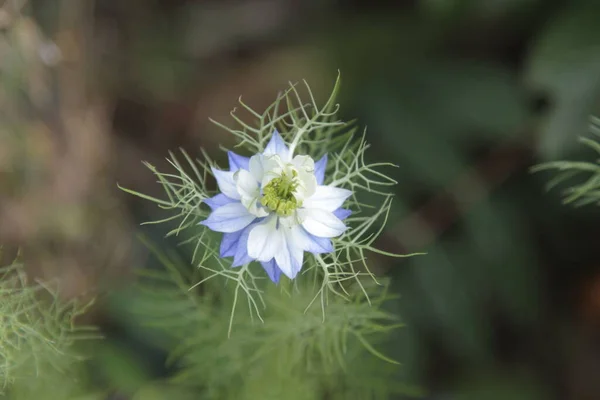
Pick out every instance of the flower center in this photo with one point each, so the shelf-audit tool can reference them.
(278, 195)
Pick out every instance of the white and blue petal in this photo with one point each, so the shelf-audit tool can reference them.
(320, 167)
(289, 256)
(277, 146)
(307, 242)
(237, 162)
(327, 198)
(218, 201)
(229, 218)
(320, 223)
(226, 183)
(265, 240)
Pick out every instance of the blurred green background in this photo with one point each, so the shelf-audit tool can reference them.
(463, 95)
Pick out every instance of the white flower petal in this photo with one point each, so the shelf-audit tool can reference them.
(229, 218)
(307, 184)
(304, 163)
(304, 166)
(246, 185)
(256, 167)
(273, 167)
(249, 192)
(321, 223)
(265, 240)
(327, 198)
(289, 221)
(226, 183)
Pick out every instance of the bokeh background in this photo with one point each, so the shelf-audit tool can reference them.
(464, 95)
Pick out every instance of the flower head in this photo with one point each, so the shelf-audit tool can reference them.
(273, 207)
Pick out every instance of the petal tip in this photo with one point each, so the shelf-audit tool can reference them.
(237, 162)
(277, 146)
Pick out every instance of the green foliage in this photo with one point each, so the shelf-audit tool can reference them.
(586, 189)
(294, 354)
(37, 338)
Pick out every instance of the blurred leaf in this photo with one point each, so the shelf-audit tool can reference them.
(156, 391)
(503, 266)
(427, 115)
(447, 302)
(462, 8)
(463, 96)
(157, 65)
(485, 261)
(457, 97)
(565, 62)
(121, 367)
(498, 387)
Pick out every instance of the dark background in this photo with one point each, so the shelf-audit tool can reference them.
(464, 95)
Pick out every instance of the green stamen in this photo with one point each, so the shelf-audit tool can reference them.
(278, 195)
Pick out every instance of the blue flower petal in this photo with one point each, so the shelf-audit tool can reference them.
(237, 162)
(229, 244)
(277, 146)
(272, 270)
(218, 201)
(320, 167)
(229, 218)
(241, 255)
(342, 213)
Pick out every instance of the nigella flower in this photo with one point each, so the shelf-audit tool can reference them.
(273, 207)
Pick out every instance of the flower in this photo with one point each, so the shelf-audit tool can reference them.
(273, 207)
